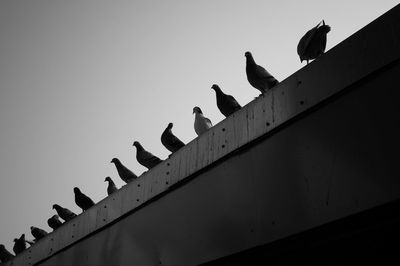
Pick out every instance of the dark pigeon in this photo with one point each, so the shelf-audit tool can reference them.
(54, 222)
(64, 213)
(257, 76)
(5, 255)
(226, 103)
(144, 157)
(111, 186)
(38, 233)
(313, 43)
(170, 141)
(19, 244)
(83, 201)
(124, 173)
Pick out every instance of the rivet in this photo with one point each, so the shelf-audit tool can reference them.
(223, 129)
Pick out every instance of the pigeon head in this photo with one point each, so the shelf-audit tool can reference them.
(138, 145)
(21, 238)
(249, 58)
(107, 179)
(56, 206)
(2, 246)
(114, 160)
(324, 28)
(170, 125)
(77, 190)
(215, 87)
(197, 110)
(32, 228)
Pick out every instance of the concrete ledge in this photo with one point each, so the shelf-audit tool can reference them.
(366, 52)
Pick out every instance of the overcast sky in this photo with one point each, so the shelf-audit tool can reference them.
(81, 80)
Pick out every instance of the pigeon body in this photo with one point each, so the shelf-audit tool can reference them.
(111, 186)
(38, 233)
(201, 123)
(64, 213)
(19, 244)
(170, 141)
(313, 43)
(54, 222)
(226, 103)
(124, 173)
(5, 255)
(145, 158)
(257, 76)
(83, 201)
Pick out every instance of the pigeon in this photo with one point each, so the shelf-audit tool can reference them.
(258, 77)
(83, 201)
(144, 157)
(124, 173)
(38, 233)
(19, 244)
(201, 123)
(54, 222)
(111, 186)
(170, 141)
(226, 103)
(313, 43)
(5, 255)
(64, 213)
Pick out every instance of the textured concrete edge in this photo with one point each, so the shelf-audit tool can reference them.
(368, 50)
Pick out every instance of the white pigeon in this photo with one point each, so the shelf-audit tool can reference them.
(201, 123)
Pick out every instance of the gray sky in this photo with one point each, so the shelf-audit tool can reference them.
(81, 80)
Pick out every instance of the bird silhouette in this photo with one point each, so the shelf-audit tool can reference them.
(54, 222)
(124, 173)
(19, 244)
(145, 158)
(170, 141)
(38, 233)
(83, 201)
(64, 213)
(201, 123)
(257, 76)
(5, 255)
(111, 185)
(227, 104)
(313, 43)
